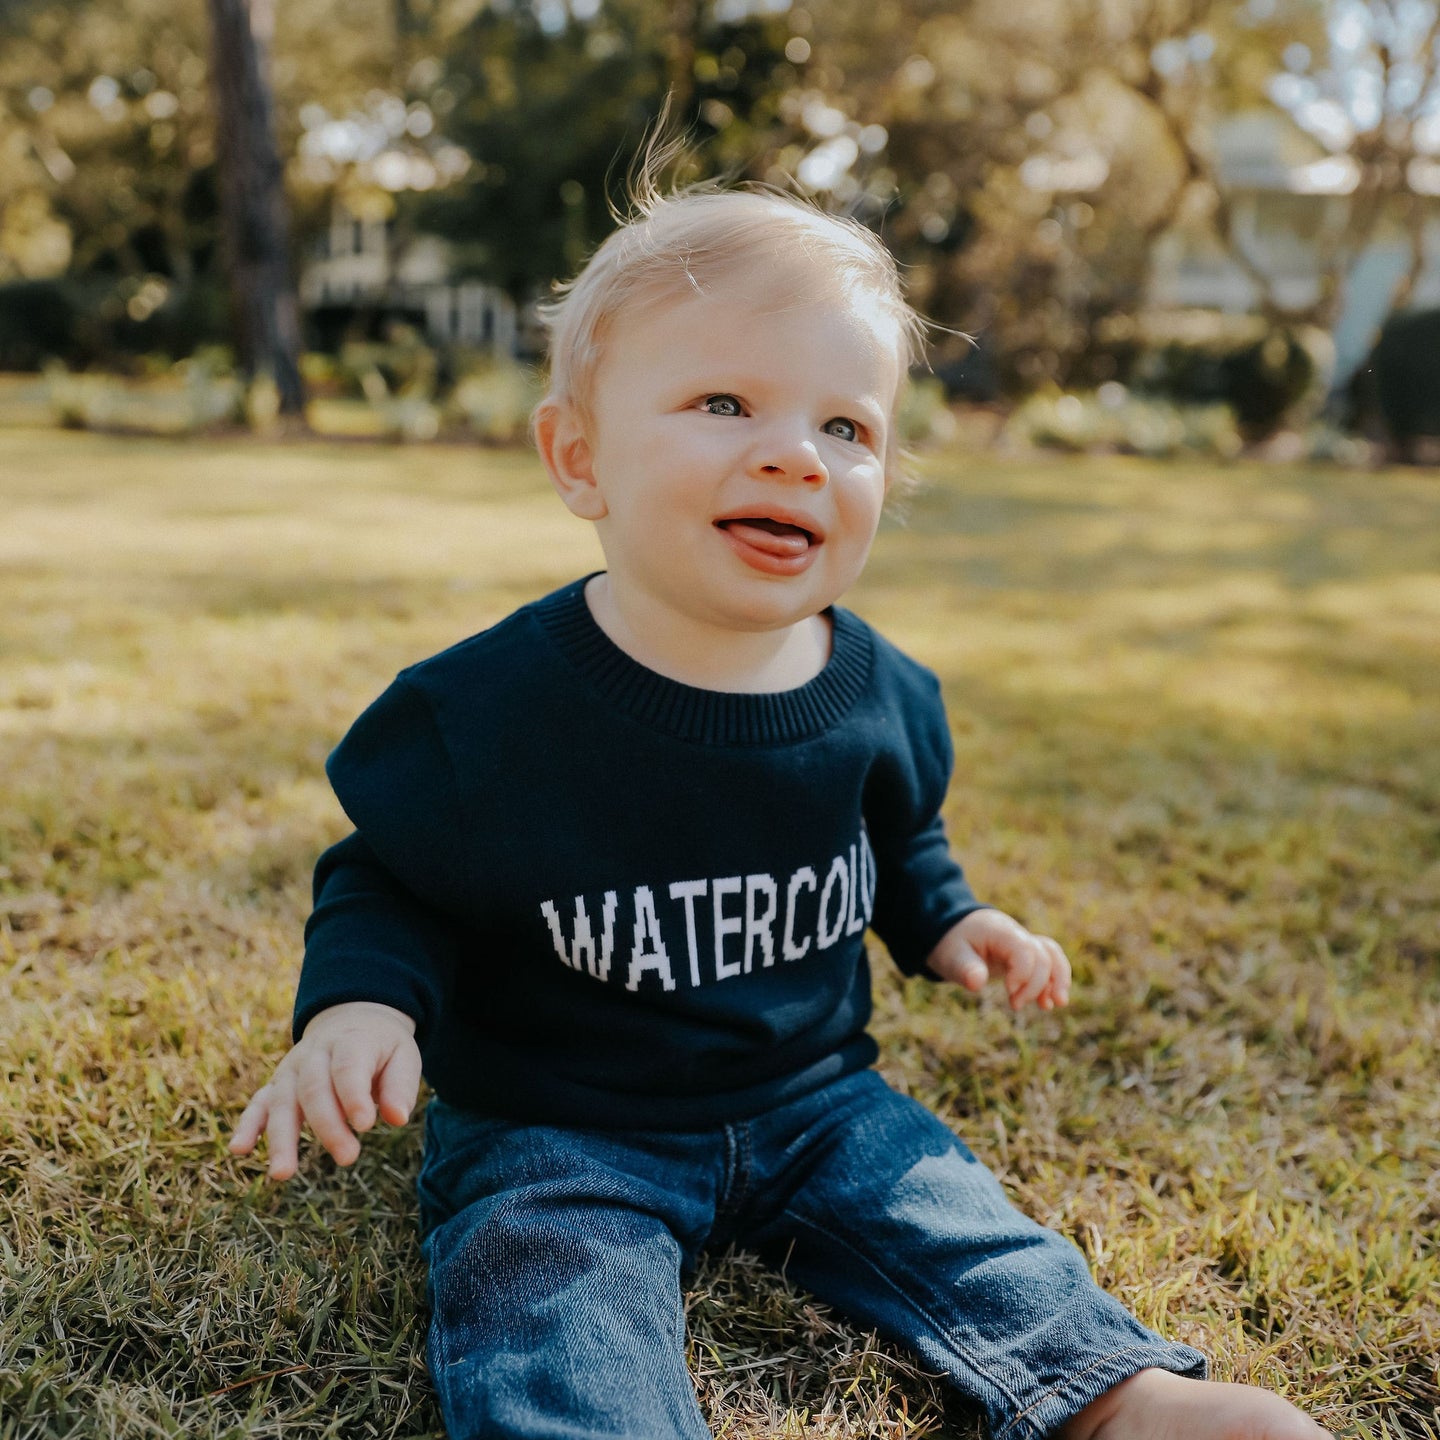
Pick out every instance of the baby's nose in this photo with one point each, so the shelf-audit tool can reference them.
(793, 459)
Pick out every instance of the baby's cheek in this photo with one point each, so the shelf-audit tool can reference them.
(866, 499)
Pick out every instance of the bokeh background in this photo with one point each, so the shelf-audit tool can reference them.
(1169, 225)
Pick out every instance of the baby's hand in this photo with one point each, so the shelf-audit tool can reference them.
(987, 943)
(350, 1059)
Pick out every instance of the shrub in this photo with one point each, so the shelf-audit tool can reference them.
(1268, 376)
(1114, 420)
(1396, 393)
(96, 321)
(402, 365)
(924, 415)
(203, 397)
(494, 398)
(38, 320)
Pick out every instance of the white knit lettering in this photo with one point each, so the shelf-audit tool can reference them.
(867, 874)
(839, 875)
(557, 935)
(601, 971)
(803, 879)
(688, 891)
(725, 925)
(757, 927)
(855, 916)
(581, 953)
(753, 928)
(647, 927)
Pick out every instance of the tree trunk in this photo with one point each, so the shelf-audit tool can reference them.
(252, 199)
(679, 44)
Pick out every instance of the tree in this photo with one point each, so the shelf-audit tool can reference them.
(262, 294)
(1369, 94)
(1035, 155)
(1356, 81)
(105, 127)
(550, 107)
(108, 184)
(932, 100)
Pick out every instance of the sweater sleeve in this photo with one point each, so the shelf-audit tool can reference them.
(394, 777)
(381, 927)
(368, 938)
(921, 890)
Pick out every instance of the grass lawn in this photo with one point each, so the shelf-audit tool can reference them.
(1196, 714)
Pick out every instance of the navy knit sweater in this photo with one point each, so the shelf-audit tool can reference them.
(609, 899)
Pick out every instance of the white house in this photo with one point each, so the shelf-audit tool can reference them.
(1286, 193)
(358, 265)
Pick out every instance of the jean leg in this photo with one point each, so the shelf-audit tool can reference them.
(556, 1307)
(897, 1224)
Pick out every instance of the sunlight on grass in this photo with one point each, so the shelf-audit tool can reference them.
(1195, 712)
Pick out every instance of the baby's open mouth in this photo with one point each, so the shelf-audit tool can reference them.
(774, 537)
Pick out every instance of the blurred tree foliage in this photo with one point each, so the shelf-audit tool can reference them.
(107, 154)
(1021, 159)
(937, 121)
(1099, 93)
(551, 108)
(106, 143)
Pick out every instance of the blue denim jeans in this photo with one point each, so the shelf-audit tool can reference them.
(557, 1256)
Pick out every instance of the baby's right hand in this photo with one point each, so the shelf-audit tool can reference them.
(351, 1060)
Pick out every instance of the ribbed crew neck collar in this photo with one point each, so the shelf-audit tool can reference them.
(714, 717)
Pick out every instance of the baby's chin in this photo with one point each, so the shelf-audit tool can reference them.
(773, 616)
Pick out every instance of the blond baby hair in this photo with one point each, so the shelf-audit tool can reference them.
(695, 237)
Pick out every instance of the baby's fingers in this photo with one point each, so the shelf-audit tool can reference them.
(1057, 992)
(353, 1067)
(322, 1110)
(400, 1083)
(251, 1123)
(1026, 973)
(282, 1136)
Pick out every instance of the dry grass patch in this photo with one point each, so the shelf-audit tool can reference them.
(1195, 715)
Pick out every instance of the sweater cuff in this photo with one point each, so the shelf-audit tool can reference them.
(912, 959)
(309, 1005)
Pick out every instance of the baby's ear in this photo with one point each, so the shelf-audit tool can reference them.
(564, 447)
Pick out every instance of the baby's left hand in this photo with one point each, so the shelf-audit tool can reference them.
(986, 943)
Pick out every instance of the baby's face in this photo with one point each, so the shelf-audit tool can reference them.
(739, 449)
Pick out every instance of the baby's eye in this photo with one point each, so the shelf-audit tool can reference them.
(722, 405)
(842, 429)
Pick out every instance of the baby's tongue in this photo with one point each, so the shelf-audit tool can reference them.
(772, 536)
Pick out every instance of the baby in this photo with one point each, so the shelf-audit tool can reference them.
(612, 868)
